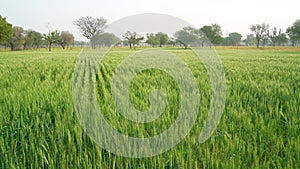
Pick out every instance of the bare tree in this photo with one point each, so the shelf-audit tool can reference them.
(90, 27)
(260, 31)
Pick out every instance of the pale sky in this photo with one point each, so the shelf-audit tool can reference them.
(232, 15)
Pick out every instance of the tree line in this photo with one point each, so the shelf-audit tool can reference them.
(93, 29)
(263, 34)
(17, 38)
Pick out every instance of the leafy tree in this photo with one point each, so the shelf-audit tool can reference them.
(153, 40)
(18, 38)
(51, 38)
(226, 41)
(80, 43)
(32, 38)
(66, 39)
(90, 27)
(282, 39)
(213, 33)
(163, 38)
(260, 31)
(172, 41)
(234, 38)
(106, 39)
(187, 36)
(294, 32)
(250, 40)
(6, 30)
(132, 38)
(274, 35)
(37, 39)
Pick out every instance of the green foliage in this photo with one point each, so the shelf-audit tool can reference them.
(260, 31)
(18, 39)
(106, 39)
(163, 38)
(275, 35)
(66, 39)
(282, 39)
(153, 40)
(6, 30)
(259, 128)
(132, 38)
(294, 32)
(213, 33)
(32, 38)
(51, 38)
(234, 39)
(187, 36)
(250, 40)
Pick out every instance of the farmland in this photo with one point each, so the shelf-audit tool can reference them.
(259, 127)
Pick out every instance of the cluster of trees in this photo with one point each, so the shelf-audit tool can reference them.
(16, 38)
(93, 29)
(264, 35)
(207, 35)
(157, 39)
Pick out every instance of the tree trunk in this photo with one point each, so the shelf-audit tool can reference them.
(50, 47)
(257, 44)
(63, 46)
(11, 47)
(130, 45)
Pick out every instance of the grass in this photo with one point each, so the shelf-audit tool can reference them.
(259, 127)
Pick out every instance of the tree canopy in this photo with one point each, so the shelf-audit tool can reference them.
(187, 36)
(260, 31)
(106, 39)
(213, 33)
(6, 30)
(52, 37)
(90, 27)
(294, 32)
(132, 38)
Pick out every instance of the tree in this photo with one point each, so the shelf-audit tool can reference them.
(90, 27)
(234, 38)
(37, 39)
(51, 38)
(153, 40)
(274, 35)
(32, 38)
(260, 31)
(6, 30)
(213, 33)
(132, 38)
(18, 38)
(282, 39)
(163, 38)
(250, 40)
(294, 32)
(187, 36)
(66, 39)
(172, 41)
(106, 39)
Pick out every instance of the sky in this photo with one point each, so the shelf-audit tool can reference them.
(232, 15)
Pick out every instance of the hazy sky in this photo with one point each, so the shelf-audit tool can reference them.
(232, 15)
